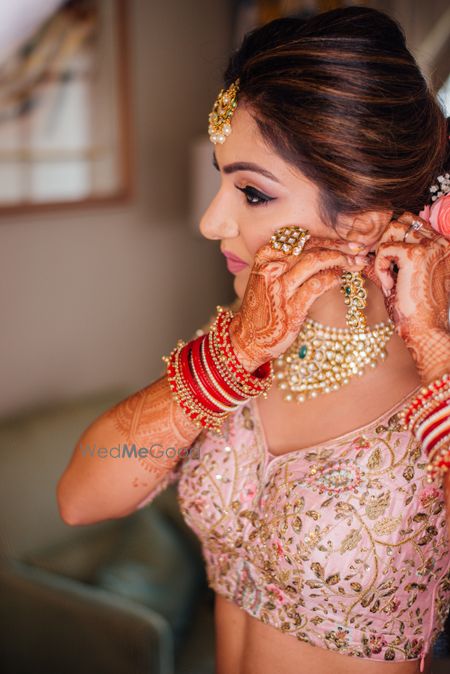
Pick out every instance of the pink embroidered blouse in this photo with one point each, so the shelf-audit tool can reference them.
(342, 545)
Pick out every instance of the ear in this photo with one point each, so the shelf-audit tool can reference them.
(366, 228)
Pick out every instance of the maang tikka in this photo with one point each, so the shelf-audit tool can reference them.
(220, 117)
(322, 359)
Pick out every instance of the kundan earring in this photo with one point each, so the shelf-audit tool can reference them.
(355, 297)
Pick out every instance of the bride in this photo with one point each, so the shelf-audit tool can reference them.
(319, 401)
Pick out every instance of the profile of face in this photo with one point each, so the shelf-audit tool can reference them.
(259, 193)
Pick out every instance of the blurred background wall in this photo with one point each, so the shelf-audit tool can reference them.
(92, 298)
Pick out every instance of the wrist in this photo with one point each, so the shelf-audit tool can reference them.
(249, 363)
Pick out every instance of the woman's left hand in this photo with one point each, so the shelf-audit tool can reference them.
(417, 295)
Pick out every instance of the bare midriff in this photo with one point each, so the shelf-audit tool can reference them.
(245, 645)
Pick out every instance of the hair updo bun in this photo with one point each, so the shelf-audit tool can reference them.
(342, 98)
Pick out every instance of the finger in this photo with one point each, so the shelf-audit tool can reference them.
(273, 260)
(386, 255)
(369, 272)
(343, 245)
(266, 254)
(396, 231)
(312, 261)
(426, 230)
(400, 230)
(314, 287)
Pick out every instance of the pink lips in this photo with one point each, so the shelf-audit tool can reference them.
(234, 264)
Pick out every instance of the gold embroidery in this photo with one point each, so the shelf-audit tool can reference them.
(374, 460)
(387, 525)
(268, 554)
(377, 505)
(350, 541)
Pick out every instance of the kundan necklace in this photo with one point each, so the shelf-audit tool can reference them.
(322, 359)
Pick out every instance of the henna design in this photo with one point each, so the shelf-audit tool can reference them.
(278, 295)
(447, 499)
(152, 416)
(431, 353)
(418, 300)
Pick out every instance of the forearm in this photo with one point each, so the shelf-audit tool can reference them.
(433, 360)
(447, 500)
(432, 354)
(104, 478)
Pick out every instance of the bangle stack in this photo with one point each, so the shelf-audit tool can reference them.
(428, 417)
(207, 379)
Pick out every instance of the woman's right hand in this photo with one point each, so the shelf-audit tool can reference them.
(280, 290)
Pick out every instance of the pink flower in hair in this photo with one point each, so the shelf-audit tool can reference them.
(438, 215)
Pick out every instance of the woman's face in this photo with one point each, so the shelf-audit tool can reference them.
(259, 193)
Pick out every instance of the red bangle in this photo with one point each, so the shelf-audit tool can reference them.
(422, 397)
(191, 383)
(429, 445)
(172, 372)
(209, 364)
(217, 374)
(421, 421)
(431, 428)
(202, 375)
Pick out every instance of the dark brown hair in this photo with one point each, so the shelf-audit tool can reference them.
(341, 97)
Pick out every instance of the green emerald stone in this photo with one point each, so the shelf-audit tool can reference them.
(348, 290)
(303, 351)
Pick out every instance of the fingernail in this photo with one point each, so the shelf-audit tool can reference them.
(386, 291)
(355, 246)
(361, 259)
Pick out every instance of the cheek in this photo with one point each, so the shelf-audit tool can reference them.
(253, 240)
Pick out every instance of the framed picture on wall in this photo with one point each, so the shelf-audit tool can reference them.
(64, 111)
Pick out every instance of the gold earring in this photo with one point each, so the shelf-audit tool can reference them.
(355, 297)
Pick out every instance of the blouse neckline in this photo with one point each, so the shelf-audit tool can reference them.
(355, 432)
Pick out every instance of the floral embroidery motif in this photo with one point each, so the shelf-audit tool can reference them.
(335, 479)
(343, 546)
(360, 443)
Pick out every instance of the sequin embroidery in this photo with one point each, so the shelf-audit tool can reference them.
(343, 545)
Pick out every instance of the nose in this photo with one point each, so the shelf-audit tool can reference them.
(217, 221)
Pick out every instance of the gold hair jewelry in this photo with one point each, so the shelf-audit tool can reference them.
(220, 116)
(290, 240)
(322, 359)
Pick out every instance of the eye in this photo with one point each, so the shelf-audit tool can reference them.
(254, 197)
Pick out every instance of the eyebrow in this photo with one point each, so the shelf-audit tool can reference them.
(245, 166)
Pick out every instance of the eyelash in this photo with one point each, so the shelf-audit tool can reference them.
(252, 193)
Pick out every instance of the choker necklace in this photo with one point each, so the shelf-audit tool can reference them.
(322, 359)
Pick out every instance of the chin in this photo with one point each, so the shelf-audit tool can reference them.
(240, 283)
